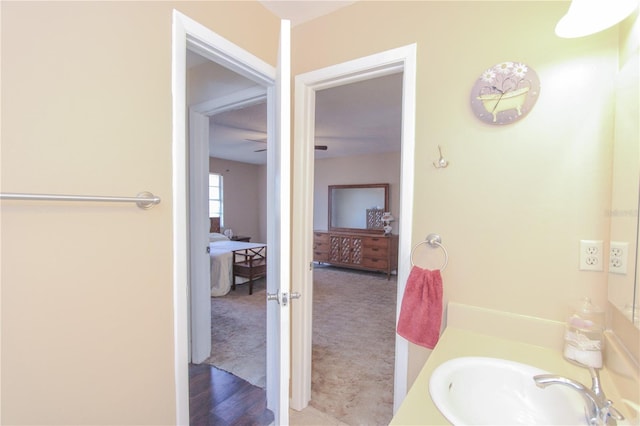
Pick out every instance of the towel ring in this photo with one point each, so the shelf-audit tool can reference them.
(433, 240)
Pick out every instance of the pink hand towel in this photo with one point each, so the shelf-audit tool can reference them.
(421, 309)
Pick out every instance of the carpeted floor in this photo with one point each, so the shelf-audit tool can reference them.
(239, 333)
(353, 345)
(353, 342)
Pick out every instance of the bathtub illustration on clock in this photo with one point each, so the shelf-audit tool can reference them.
(505, 93)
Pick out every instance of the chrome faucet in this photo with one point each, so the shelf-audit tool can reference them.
(601, 412)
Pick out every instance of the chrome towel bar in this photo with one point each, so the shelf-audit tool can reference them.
(144, 200)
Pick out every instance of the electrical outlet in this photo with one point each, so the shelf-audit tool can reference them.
(618, 255)
(591, 255)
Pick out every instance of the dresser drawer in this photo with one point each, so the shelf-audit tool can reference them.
(369, 262)
(321, 256)
(379, 242)
(375, 252)
(321, 237)
(321, 246)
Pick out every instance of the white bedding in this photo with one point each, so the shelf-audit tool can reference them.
(222, 264)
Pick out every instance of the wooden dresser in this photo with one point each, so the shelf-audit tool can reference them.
(359, 251)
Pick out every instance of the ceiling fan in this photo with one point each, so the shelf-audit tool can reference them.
(318, 147)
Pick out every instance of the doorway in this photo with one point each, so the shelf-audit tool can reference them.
(190, 35)
(403, 60)
(354, 309)
(215, 95)
(234, 111)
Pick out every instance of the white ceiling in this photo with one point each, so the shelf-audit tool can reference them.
(300, 11)
(355, 119)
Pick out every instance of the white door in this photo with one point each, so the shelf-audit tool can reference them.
(189, 34)
(278, 237)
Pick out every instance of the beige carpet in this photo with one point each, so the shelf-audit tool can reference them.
(353, 342)
(353, 345)
(239, 333)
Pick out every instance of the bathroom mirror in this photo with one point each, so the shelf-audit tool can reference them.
(623, 287)
(350, 207)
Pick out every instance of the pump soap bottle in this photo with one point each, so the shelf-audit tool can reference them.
(583, 338)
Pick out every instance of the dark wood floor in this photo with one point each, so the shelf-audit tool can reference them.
(220, 398)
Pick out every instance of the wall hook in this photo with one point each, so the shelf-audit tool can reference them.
(442, 163)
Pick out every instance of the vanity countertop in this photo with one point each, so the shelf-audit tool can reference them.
(418, 408)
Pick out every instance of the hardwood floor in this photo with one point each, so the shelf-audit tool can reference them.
(220, 398)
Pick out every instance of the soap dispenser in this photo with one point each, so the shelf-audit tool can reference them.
(584, 334)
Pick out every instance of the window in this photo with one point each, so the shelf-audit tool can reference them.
(215, 196)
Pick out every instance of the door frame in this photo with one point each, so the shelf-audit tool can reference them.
(188, 34)
(402, 59)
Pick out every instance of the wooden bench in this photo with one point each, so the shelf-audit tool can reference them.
(250, 263)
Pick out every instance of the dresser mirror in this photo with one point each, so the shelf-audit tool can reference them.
(358, 208)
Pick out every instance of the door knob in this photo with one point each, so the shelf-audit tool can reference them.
(274, 296)
(285, 297)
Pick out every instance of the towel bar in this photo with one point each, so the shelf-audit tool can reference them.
(435, 241)
(144, 200)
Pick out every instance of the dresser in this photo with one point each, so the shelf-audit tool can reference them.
(358, 251)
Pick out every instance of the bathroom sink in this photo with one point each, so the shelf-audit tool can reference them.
(492, 391)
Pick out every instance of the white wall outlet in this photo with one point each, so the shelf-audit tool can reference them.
(591, 256)
(618, 254)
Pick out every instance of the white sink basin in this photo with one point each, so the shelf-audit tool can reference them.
(491, 391)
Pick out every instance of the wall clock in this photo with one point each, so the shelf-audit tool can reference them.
(505, 93)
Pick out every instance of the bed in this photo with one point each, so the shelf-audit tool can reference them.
(223, 252)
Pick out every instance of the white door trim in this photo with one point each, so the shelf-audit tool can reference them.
(187, 33)
(240, 99)
(402, 59)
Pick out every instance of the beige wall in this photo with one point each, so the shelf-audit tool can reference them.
(87, 292)
(379, 168)
(87, 311)
(515, 200)
(243, 207)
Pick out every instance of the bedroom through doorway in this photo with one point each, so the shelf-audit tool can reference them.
(238, 315)
(369, 116)
(229, 111)
(398, 60)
